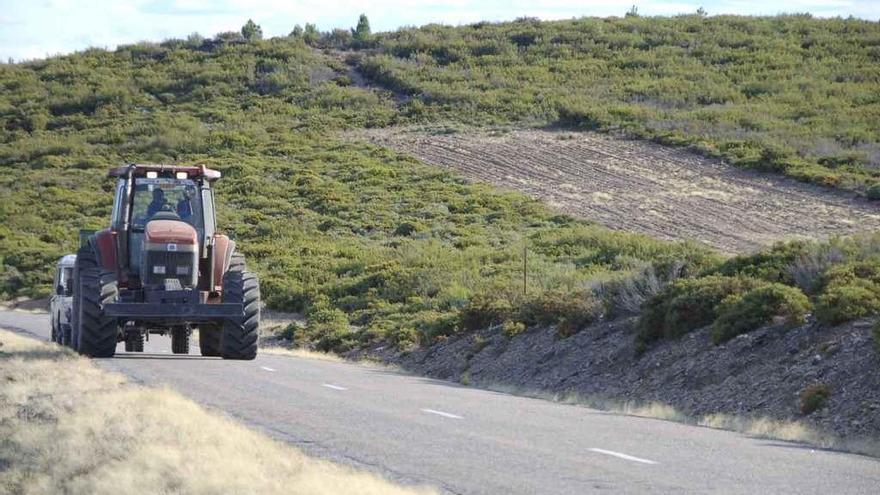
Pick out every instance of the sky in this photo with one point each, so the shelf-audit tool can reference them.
(31, 29)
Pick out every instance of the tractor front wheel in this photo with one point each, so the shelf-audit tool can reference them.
(95, 332)
(239, 337)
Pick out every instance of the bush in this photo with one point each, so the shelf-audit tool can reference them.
(686, 305)
(849, 291)
(842, 303)
(739, 314)
(629, 294)
(814, 397)
(328, 327)
(513, 328)
(289, 332)
(570, 311)
(772, 265)
(809, 267)
(484, 310)
(865, 270)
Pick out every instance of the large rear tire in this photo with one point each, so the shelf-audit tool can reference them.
(209, 340)
(96, 333)
(239, 338)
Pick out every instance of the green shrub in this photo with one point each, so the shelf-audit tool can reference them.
(873, 192)
(814, 397)
(687, 305)
(867, 270)
(849, 291)
(842, 303)
(290, 332)
(739, 314)
(771, 265)
(328, 327)
(513, 328)
(403, 337)
(570, 311)
(484, 310)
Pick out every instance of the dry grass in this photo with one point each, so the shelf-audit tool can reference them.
(303, 353)
(68, 427)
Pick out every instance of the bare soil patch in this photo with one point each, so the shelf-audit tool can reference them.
(641, 186)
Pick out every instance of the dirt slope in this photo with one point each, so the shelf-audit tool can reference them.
(641, 186)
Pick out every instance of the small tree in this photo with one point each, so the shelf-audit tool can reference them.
(252, 31)
(633, 12)
(702, 12)
(297, 32)
(362, 32)
(194, 40)
(311, 34)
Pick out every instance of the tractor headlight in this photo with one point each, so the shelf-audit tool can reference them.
(159, 269)
(183, 270)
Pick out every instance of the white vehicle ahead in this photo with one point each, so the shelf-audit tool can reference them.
(62, 299)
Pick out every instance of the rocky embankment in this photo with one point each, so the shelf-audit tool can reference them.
(760, 374)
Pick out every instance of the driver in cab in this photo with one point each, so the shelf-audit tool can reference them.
(158, 204)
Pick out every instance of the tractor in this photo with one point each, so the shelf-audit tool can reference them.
(162, 268)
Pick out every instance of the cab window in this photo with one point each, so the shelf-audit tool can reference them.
(174, 197)
(115, 216)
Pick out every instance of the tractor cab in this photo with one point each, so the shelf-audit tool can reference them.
(164, 219)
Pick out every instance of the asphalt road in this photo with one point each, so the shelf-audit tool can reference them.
(471, 441)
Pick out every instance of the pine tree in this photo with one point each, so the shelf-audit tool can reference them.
(362, 31)
(252, 31)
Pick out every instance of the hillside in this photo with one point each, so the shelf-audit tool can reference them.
(377, 247)
(789, 94)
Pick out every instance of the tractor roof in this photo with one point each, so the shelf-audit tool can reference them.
(141, 169)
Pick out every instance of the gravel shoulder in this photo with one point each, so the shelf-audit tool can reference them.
(640, 186)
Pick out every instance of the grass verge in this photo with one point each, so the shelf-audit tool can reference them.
(68, 427)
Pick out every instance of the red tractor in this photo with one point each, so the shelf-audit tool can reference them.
(162, 268)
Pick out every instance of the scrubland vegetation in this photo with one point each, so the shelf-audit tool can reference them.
(374, 246)
(836, 280)
(68, 427)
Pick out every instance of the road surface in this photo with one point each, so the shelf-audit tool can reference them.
(470, 441)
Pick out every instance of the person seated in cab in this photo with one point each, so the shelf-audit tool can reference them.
(184, 206)
(158, 203)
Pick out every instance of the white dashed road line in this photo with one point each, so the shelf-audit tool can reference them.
(334, 387)
(267, 368)
(441, 413)
(623, 456)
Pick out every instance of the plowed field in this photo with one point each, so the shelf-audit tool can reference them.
(641, 186)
